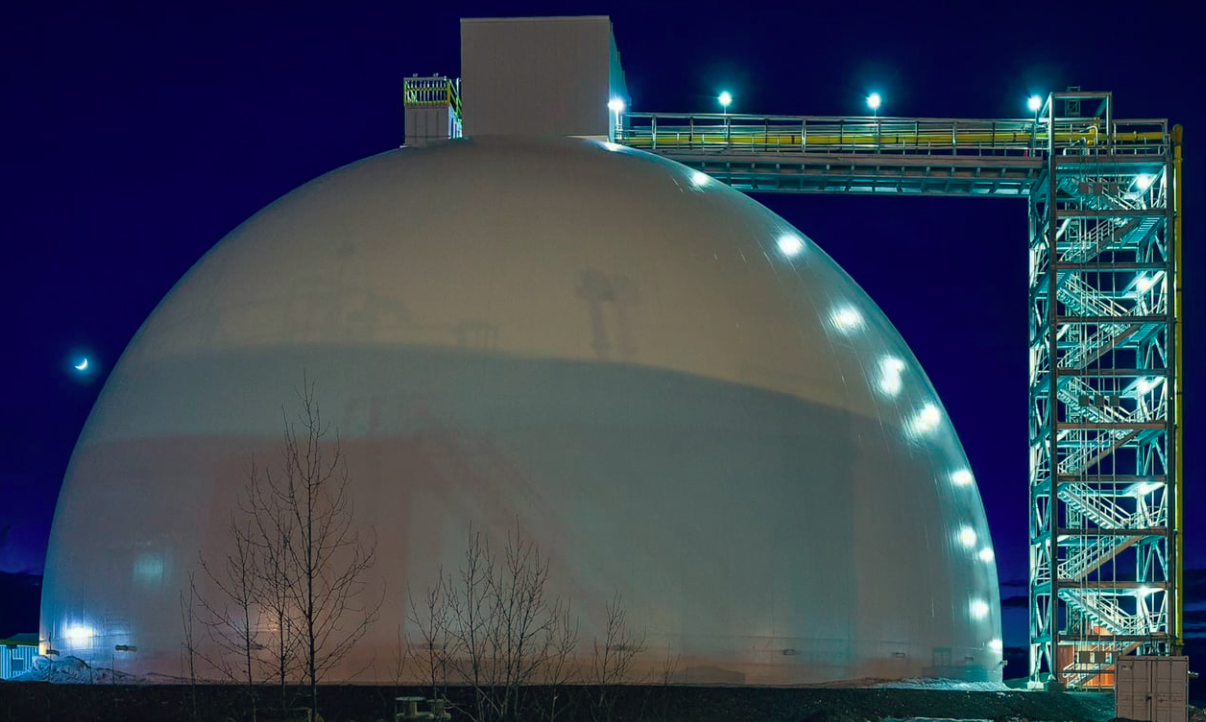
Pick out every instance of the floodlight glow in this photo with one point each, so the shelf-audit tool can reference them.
(1147, 487)
(1035, 103)
(700, 179)
(79, 635)
(927, 419)
(962, 477)
(967, 536)
(987, 555)
(979, 609)
(996, 645)
(790, 245)
(1145, 385)
(725, 98)
(889, 383)
(1144, 591)
(1143, 283)
(873, 101)
(615, 105)
(1144, 181)
(847, 319)
(613, 147)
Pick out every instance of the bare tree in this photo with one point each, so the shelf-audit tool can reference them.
(189, 647)
(279, 617)
(669, 669)
(523, 618)
(469, 632)
(232, 624)
(400, 661)
(315, 560)
(613, 659)
(560, 667)
(432, 621)
(493, 627)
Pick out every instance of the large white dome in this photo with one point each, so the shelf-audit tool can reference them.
(679, 397)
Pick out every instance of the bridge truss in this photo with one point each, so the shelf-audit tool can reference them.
(1105, 351)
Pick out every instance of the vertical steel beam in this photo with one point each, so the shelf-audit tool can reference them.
(1178, 376)
(1053, 516)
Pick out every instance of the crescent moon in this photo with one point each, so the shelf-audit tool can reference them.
(81, 365)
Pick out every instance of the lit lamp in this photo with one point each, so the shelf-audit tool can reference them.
(1035, 104)
(616, 105)
(873, 102)
(725, 98)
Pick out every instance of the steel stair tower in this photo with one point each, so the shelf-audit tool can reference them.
(1105, 502)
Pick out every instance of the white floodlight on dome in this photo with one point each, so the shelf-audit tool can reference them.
(889, 381)
(996, 645)
(962, 477)
(967, 536)
(790, 244)
(700, 179)
(79, 635)
(987, 555)
(927, 419)
(847, 318)
(979, 609)
(1035, 104)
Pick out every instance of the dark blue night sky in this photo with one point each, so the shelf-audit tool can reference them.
(137, 135)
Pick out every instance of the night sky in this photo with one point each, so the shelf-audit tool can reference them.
(138, 135)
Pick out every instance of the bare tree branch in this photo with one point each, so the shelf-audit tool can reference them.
(613, 659)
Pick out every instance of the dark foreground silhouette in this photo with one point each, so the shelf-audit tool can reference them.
(31, 701)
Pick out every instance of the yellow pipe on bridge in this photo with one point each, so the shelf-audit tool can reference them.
(930, 140)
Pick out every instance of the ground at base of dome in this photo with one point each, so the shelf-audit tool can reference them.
(629, 703)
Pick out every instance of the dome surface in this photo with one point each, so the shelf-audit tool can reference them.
(678, 397)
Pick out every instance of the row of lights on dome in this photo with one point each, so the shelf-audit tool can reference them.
(928, 419)
(849, 319)
(968, 538)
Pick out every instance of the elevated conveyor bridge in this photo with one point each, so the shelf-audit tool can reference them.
(917, 156)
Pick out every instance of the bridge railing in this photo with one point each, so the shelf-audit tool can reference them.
(431, 92)
(862, 134)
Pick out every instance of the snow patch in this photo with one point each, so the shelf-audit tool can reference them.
(943, 684)
(73, 670)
